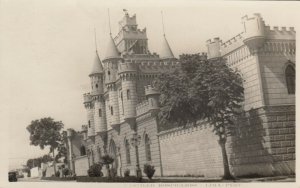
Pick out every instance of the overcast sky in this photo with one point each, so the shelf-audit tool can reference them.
(47, 49)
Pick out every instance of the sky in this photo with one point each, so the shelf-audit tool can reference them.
(47, 50)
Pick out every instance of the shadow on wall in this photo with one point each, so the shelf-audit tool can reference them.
(255, 147)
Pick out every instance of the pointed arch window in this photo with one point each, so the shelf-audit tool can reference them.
(127, 148)
(82, 151)
(290, 76)
(147, 148)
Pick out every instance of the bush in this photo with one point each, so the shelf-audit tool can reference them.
(57, 174)
(126, 173)
(66, 172)
(149, 170)
(107, 179)
(95, 170)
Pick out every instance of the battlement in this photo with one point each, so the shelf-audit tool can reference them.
(153, 56)
(128, 20)
(127, 67)
(142, 107)
(87, 97)
(150, 90)
(254, 35)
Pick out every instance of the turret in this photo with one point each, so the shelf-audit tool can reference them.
(152, 95)
(130, 39)
(254, 31)
(89, 106)
(97, 76)
(128, 95)
(213, 48)
(84, 131)
(111, 61)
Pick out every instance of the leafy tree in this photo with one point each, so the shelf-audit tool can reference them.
(107, 160)
(202, 90)
(46, 132)
(62, 149)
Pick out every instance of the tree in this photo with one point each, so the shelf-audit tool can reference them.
(107, 160)
(46, 132)
(202, 90)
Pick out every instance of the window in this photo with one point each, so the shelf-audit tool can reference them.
(89, 124)
(82, 151)
(92, 157)
(290, 79)
(108, 73)
(128, 94)
(127, 147)
(96, 85)
(111, 110)
(100, 112)
(147, 148)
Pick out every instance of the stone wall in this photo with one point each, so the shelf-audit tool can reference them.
(81, 165)
(192, 151)
(264, 143)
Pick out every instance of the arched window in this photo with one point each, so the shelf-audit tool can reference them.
(147, 148)
(82, 151)
(108, 73)
(127, 148)
(128, 94)
(290, 77)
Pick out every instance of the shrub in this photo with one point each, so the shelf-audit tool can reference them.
(95, 170)
(65, 172)
(126, 173)
(57, 174)
(149, 170)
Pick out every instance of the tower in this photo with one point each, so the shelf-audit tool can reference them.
(111, 61)
(97, 84)
(130, 39)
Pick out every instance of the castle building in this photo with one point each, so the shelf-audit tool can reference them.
(122, 107)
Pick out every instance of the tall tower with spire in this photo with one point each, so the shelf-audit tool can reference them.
(121, 91)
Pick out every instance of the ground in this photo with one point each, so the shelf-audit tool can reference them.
(192, 179)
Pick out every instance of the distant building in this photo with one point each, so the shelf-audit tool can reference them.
(123, 105)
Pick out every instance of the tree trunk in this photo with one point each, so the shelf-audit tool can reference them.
(227, 174)
(54, 163)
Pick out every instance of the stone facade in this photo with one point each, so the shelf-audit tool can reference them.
(123, 103)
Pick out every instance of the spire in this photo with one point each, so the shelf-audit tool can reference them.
(166, 52)
(97, 67)
(111, 50)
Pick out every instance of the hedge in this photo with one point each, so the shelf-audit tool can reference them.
(59, 178)
(107, 179)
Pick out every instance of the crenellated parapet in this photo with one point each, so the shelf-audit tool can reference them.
(87, 100)
(213, 48)
(142, 108)
(127, 68)
(256, 36)
(157, 66)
